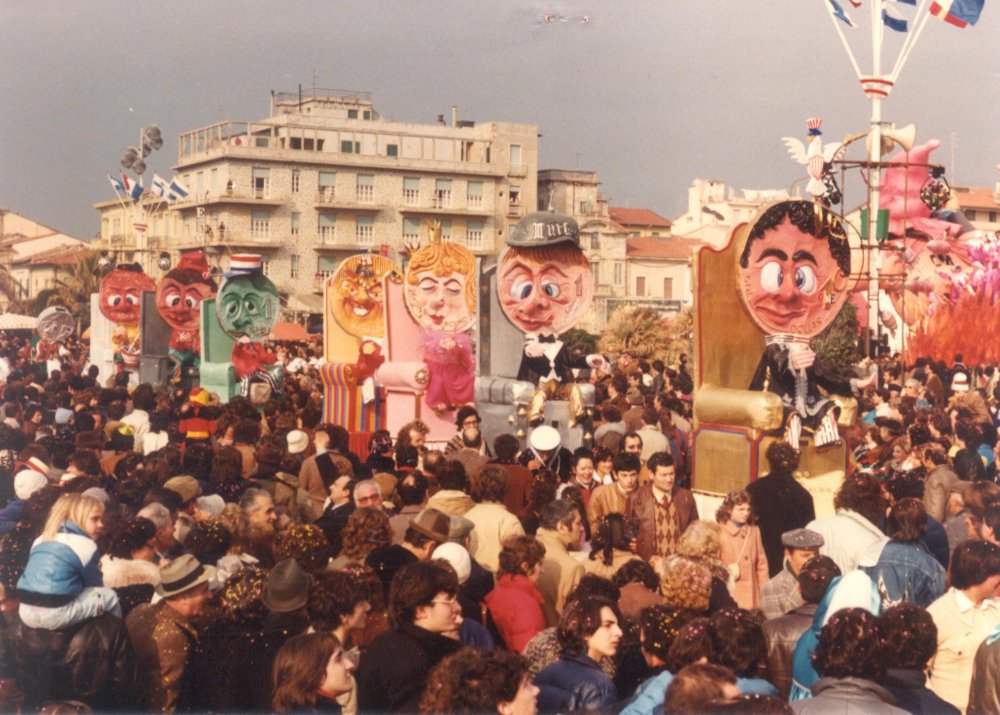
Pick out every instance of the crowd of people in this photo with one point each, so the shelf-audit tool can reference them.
(162, 551)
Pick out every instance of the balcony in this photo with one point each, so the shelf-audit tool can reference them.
(515, 208)
(330, 240)
(252, 197)
(444, 206)
(517, 170)
(232, 239)
(328, 198)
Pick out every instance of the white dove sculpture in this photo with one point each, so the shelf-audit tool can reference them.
(815, 157)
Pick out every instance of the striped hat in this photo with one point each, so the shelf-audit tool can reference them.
(243, 264)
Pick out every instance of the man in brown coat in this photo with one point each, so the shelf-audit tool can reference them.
(662, 510)
(164, 635)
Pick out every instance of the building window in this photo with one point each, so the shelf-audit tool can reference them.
(265, 265)
(366, 188)
(446, 229)
(515, 155)
(392, 149)
(352, 113)
(349, 147)
(668, 288)
(213, 181)
(261, 183)
(442, 194)
(474, 235)
(514, 192)
(411, 190)
(365, 230)
(295, 223)
(586, 207)
(367, 114)
(970, 214)
(411, 230)
(326, 228)
(326, 266)
(595, 241)
(293, 270)
(619, 275)
(993, 216)
(474, 194)
(295, 181)
(640, 286)
(260, 225)
(327, 186)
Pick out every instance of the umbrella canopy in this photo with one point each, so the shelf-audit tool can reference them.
(289, 331)
(13, 321)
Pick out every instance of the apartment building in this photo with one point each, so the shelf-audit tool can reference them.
(325, 176)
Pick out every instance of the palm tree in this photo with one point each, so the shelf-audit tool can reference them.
(12, 294)
(74, 291)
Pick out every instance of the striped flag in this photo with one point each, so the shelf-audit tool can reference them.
(896, 24)
(177, 190)
(117, 185)
(159, 185)
(838, 12)
(957, 12)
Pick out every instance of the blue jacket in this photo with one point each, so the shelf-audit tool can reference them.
(574, 682)
(10, 515)
(649, 696)
(60, 569)
(907, 572)
(855, 589)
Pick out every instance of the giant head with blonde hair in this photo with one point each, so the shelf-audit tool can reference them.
(440, 285)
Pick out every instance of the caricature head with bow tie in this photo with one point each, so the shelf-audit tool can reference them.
(544, 280)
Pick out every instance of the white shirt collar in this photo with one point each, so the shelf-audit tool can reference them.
(964, 604)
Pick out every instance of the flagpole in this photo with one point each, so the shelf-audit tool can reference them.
(876, 91)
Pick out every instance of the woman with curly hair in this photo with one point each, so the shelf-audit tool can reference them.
(609, 551)
(742, 549)
(310, 673)
(367, 529)
(850, 660)
(700, 546)
(515, 604)
(128, 567)
(480, 681)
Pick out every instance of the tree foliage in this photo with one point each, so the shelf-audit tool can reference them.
(74, 291)
(838, 344)
(647, 334)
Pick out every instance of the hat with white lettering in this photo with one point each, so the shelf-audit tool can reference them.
(544, 228)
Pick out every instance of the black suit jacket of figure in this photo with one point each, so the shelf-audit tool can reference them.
(534, 369)
(774, 374)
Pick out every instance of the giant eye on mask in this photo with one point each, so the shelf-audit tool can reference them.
(172, 300)
(251, 307)
(232, 308)
(551, 289)
(132, 299)
(114, 300)
(771, 277)
(520, 290)
(805, 279)
(190, 301)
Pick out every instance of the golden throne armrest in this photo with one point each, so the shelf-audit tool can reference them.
(848, 409)
(752, 409)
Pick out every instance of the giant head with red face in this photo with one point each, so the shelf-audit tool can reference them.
(121, 294)
(794, 270)
(545, 284)
(181, 291)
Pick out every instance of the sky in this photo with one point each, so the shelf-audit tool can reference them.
(650, 95)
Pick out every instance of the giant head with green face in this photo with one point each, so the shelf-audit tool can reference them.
(247, 303)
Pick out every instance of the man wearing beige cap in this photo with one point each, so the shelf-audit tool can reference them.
(165, 634)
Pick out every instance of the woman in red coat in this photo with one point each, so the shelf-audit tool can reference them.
(515, 604)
